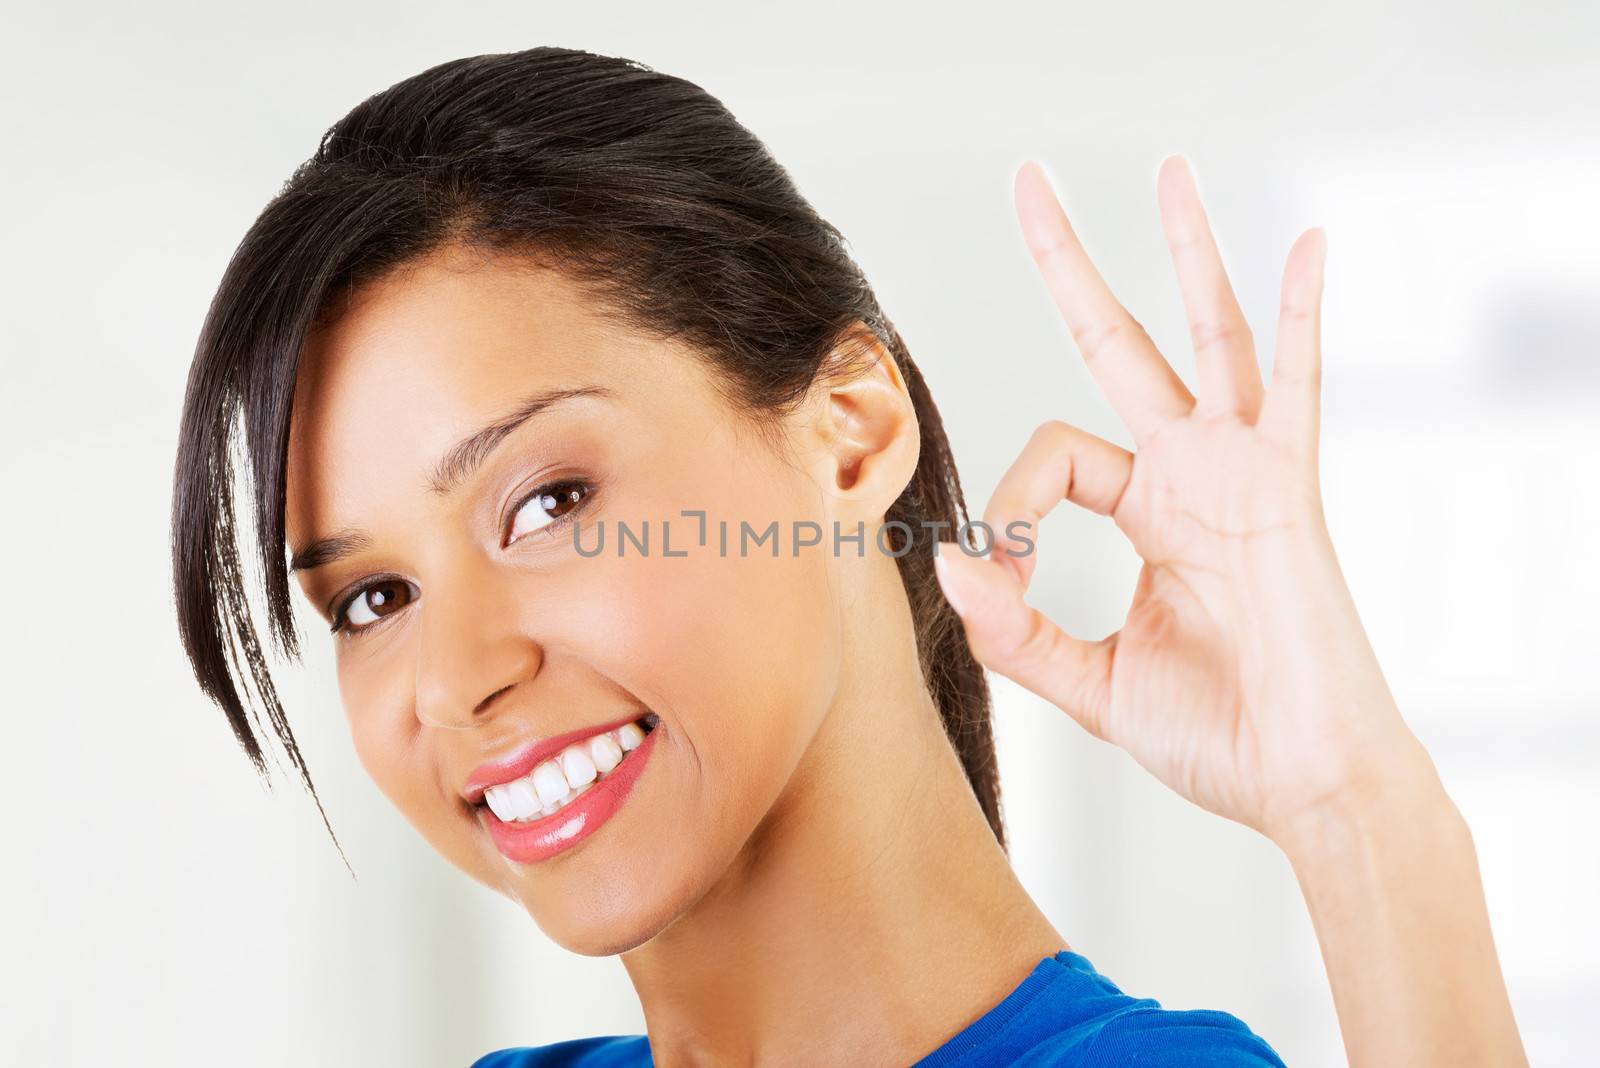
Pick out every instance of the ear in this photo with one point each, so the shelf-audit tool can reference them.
(866, 426)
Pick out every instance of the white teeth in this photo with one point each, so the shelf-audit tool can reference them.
(557, 783)
(524, 802)
(577, 767)
(605, 752)
(495, 797)
(513, 800)
(551, 784)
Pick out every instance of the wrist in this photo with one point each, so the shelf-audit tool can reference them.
(1400, 794)
(1390, 878)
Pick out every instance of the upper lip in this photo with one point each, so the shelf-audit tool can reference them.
(521, 761)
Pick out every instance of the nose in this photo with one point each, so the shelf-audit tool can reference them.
(472, 649)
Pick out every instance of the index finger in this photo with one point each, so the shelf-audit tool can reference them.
(1143, 388)
(1060, 462)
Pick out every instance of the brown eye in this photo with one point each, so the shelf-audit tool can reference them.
(376, 601)
(544, 506)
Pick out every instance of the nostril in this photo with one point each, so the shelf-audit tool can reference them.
(483, 705)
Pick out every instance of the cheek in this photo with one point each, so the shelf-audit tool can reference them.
(375, 692)
(740, 656)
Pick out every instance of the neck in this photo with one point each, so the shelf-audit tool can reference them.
(873, 897)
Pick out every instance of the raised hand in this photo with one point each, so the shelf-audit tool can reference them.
(1242, 677)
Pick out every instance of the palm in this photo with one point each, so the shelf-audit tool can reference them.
(1181, 692)
(1223, 681)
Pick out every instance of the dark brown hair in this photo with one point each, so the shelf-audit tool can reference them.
(640, 184)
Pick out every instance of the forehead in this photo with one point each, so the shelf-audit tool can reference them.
(429, 354)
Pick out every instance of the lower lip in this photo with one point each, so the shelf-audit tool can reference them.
(541, 839)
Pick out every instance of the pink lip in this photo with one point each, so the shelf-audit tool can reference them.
(523, 761)
(536, 840)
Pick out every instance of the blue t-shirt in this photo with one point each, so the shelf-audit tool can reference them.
(1064, 1013)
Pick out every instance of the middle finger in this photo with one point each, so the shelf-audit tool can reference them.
(1224, 352)
(1143, 388)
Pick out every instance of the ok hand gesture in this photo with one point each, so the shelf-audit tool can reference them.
(1242, 677)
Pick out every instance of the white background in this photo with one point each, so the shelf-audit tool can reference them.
(159, 906)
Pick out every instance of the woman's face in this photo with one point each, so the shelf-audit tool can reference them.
(472, 628)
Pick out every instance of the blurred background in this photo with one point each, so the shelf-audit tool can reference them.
(159, 904)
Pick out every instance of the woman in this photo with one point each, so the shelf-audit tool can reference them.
(657, 609)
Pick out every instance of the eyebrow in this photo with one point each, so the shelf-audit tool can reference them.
(463, 458)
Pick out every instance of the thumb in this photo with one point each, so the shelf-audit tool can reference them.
(1022, 643)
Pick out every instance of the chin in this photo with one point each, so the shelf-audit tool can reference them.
(609, 917)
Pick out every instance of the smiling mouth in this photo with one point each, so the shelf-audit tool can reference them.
(567, 776)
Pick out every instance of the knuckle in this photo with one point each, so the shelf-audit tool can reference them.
(1052, 434)
(1186, 243)
(1034, 644)
(1218, 332)
(1307, 373)
(1296, 312)
(1093, 338)
(1048, 251)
